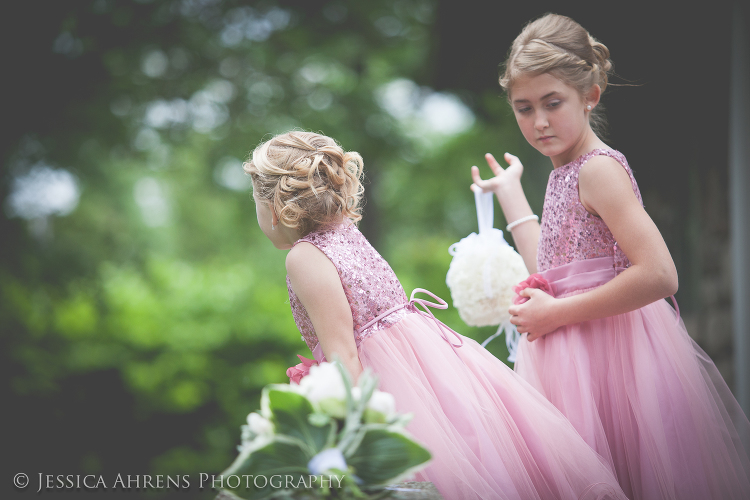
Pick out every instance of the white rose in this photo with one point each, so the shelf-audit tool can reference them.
(330, 458)
(323, 382)
(380, 407)
(325, 388)
(259, 425)
(256, 433)
(384, 402)
(356, 394)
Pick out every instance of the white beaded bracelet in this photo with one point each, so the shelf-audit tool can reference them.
(521, 221)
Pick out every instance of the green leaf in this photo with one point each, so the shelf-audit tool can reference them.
(290, 414)
(319, 419)
(383, 455)
(281, 456)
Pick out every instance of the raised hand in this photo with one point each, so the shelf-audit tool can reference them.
(503, 176)
(507, 187)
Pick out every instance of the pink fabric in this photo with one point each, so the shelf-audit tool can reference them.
(491, 435)
(643, 394)
(445, 331)
(569, 232)
(369, 283)
(533, 281)
(635, 385)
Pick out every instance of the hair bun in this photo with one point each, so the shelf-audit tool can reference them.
(308, 178)
(601, 52)
(603, 62)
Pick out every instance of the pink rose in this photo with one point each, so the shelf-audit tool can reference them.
(296, 372)
(533, 281)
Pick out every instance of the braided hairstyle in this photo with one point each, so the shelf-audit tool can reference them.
(560, 46)
(308, 178)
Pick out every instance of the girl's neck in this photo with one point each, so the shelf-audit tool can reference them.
(287, 236)
(338, 221)
(588, 142)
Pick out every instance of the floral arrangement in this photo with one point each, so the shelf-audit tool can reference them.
(534, 281)
(482, 274)
(323, 438)
(481, 277)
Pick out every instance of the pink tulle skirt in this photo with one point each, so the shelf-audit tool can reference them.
(643, 394)
(492, 436)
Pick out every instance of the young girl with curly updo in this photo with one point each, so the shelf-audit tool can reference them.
(490, 434)
(599, 342)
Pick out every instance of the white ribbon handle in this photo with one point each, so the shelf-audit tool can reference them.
(512, 337)
(485, 212)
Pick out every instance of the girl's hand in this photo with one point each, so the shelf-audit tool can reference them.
(507, 188)
(536, 316)
(503, 177)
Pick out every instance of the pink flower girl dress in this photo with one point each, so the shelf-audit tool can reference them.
(491, 435)
(637, 388)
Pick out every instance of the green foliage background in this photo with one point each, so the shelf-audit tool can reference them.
(139, 349)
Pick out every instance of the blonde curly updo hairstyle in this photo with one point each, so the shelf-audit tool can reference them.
(308, 178)
(560, 46)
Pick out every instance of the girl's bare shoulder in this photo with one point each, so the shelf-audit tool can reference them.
(603, 181)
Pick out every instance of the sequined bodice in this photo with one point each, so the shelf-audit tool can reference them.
(370, 285)
(569, 232)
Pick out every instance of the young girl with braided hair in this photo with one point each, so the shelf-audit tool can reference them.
(598, 340)
(490, 434)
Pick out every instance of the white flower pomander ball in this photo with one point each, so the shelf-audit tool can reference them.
(481, 277)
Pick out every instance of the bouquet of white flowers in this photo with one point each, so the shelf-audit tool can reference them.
(323, 438)
(482, 274)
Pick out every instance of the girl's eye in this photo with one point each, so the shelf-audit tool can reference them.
(523, 110)
(554, 104)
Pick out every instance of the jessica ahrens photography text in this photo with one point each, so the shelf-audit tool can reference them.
(180, 482)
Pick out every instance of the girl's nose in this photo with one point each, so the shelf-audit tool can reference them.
(540, 122)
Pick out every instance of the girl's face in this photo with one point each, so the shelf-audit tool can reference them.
(552, 116)
(269, 224)
(265, 215)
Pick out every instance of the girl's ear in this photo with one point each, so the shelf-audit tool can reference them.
(274, 218)
(593, 96)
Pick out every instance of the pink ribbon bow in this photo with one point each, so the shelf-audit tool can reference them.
(296, 372)
(533, 281)
(443, 329)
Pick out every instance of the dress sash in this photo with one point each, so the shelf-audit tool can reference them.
(584, 275)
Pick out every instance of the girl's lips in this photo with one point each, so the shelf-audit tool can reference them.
(545, 137)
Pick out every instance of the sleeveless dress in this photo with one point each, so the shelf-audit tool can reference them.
(490, 434)
(637, 388)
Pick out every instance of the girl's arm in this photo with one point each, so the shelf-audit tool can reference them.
(316, 283)
(507, 187)
(605, 190)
